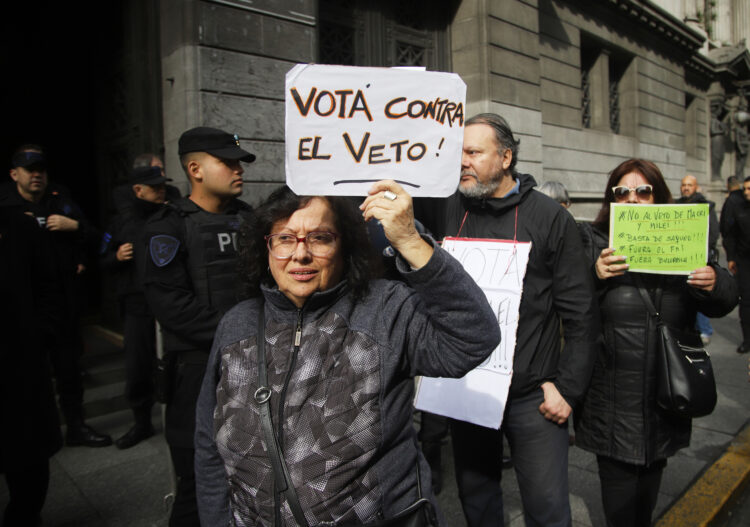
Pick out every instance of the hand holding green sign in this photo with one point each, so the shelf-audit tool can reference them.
(662, 239)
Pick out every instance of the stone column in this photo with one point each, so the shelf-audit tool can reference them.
(224, 65)
(495, 49)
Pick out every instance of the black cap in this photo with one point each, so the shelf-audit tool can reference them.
(147, 176)
(29, 158)
(215, 142)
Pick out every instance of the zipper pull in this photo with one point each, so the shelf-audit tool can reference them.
(298, 332)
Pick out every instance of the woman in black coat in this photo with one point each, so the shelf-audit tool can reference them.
(620, 420)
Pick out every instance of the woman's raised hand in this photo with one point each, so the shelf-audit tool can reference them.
(390, 204)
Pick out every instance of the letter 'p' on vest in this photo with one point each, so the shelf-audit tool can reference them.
(211, 240)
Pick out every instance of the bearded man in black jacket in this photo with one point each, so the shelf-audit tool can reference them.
(494, 201)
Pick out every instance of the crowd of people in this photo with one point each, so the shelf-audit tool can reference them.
(292, 334)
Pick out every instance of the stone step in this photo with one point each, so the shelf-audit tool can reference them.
(105, 399)
(103, 365)
(103, 360)
(99, 370)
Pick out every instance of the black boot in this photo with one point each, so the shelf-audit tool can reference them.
(745, 346)
(140, 431)
(134, 436)
(81, 434)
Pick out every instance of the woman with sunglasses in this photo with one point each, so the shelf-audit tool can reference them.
(619, 419)
(340, 351)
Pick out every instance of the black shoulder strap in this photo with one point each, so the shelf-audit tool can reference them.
(262, 398)
(647, 298)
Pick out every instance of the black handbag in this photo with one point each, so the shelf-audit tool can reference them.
(685, 378)
(419, 514)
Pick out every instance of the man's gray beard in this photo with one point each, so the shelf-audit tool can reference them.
(481, 190)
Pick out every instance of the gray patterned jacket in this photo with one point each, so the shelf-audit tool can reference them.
(346, 394)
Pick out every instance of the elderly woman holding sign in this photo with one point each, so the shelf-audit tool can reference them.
(305, 415)
(620, 419)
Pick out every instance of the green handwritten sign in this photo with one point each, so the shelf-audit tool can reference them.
(663, 239)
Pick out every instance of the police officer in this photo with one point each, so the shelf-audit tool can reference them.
(149, 159)
(29, 289)
(190, 281)
(69, 234)
(146, 195)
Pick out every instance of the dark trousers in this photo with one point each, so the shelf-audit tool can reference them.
(185, 507)
(179, 430)
(28, 489)
(65, 352)
(433, 431)
(539, 449)
(743, 282)
(140, 354)
(629, 492)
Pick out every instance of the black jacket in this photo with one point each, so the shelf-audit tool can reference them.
(70, 247)
(556, 287)
(191, 285)
(127, 226)
(345, 391)
(619, 417)
(735, 226)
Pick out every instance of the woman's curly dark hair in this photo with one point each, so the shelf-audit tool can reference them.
(648, 170)
(360, 260)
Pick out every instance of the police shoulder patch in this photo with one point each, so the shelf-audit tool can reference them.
(163, 248)
(106, 238)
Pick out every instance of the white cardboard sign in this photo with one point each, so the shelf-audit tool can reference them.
(347, 127)
(498, 267)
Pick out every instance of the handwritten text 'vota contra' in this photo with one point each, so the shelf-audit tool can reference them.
(346, 104)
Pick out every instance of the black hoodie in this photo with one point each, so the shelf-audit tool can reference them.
(557, 287)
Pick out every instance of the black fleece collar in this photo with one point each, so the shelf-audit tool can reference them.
(316, 304)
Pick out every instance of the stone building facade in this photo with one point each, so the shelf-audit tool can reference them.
(585, 84)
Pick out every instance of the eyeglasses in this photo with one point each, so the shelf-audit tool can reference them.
(642, 192)
(283, 244)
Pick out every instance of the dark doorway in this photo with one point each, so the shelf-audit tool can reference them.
(386, 32)
(82, 80)
(48, 64)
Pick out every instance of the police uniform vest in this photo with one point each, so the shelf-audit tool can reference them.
(211, 244)
(211, 240)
